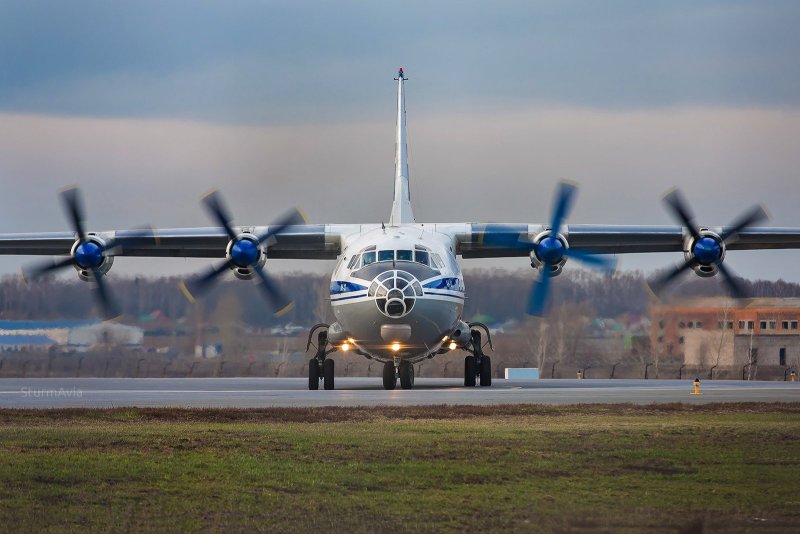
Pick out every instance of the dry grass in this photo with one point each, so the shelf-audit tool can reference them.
(334, 414)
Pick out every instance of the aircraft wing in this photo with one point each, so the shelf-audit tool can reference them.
(498, 240)
(307, 241)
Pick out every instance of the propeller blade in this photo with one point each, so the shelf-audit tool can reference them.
(277, 299)
(293, 217)
(602, 261)
(658, 285)
(562, 205)
(104, 299)
(538, 296)
(74, 208)
(200, 284)
(216, 207)
(754, 216)
(43, 268)
(729, 278)
(681, 210)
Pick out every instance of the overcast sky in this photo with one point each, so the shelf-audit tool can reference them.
(147, 105)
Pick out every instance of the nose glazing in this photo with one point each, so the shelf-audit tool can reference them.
(395, 293)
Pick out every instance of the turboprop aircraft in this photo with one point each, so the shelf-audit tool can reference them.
(397, 291)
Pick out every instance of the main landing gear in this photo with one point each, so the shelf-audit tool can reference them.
(320, 367)
(477, 365)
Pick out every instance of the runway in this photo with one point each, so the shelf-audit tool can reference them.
(293, 392)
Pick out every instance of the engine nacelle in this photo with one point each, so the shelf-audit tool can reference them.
(245, 254)
(705, 253)
(461, 335)
(549, 252)
(89, 255)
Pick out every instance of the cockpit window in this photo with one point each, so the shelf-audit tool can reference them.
(420, 254)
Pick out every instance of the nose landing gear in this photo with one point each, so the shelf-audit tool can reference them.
(389, 375)
(406, 373)
(393, 370)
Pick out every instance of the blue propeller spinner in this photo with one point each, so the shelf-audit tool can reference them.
(91, 256)
(245, 255)
(705, 250)
(552, 249)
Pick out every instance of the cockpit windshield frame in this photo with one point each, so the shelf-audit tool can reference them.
(420, 254)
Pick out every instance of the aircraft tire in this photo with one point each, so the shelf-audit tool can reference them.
(469, 371)
(406, 375)
(486, 371)
(389, 378)
(313, 374)
(327, 373)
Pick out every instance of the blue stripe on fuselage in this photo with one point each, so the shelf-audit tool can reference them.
(448, 284)
(341, 287)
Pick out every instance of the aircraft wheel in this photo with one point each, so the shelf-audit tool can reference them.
(486, 371)
(470, 371)
(389, 378)
(313, 374)
(327, 373)
(406, 375)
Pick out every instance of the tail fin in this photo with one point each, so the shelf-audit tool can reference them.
(401, 207)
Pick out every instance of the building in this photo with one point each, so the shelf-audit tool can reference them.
(721, 332)
(69, 335)
(25, 342)
(58, 330)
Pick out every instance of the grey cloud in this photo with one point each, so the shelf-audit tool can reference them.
(278, 62)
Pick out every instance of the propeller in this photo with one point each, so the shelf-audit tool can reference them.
(89, 253)
(552, 249)
(706, 249)
(244, 251)
(548, 250)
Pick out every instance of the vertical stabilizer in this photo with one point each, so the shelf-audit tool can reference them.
(401, 207)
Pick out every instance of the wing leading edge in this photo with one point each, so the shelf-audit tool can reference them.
(307, 242)
(498, 240)
(472, 240)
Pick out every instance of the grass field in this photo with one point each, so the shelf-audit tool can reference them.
(668, 468)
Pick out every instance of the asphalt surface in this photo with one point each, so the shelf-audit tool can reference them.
(289, 392)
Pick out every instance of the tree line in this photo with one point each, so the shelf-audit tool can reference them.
(496, 294)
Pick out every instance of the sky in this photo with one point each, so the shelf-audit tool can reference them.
(147, 105)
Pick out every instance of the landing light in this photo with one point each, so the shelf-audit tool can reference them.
(453, 345)
(395, 346)
(351, 340)
(345, 347)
